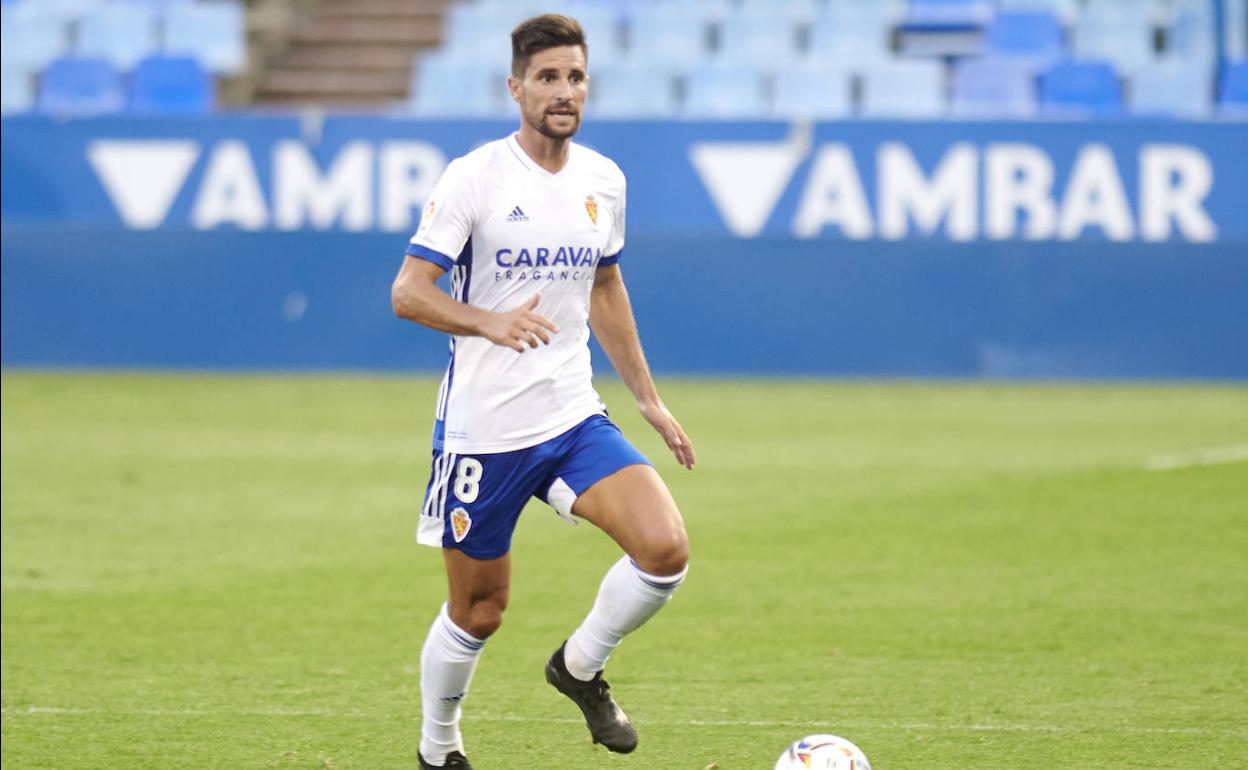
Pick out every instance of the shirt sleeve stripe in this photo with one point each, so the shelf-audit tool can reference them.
(426, 253)
(610, 260)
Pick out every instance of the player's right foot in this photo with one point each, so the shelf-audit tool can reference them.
(608, 724)
(454, 760)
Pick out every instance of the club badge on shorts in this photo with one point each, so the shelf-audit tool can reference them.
(461, 522)
(591, 208)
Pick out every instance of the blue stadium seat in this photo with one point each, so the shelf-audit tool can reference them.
(724, 91)
(904, 89)
(80, 87)
(1172, 87)
(852, 35)
(17, 91)
(949, 13)
(812, 92)
(1066, 10)
(449, 87)
(767, 41)
(632, 91)
(1125, 40)
(215, 33)
(123, 33)
(477, 36)
(171, 85)
(993, 88)
(1083, 88)
(1233, 90)
(1031, 37)
(675, 35)
(31, 36)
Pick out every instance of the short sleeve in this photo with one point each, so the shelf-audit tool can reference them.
(447, 220)
(615, 240)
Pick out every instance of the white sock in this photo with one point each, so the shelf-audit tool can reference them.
(626, 599)
(446, 665)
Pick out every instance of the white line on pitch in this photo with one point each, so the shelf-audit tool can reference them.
(518, 718)
(1215, 456)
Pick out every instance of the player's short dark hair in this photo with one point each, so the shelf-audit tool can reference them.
(550, 30)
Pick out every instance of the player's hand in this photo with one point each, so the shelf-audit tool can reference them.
(662, 420)
(520, 329)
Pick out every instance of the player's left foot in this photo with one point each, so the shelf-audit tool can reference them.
(454, 761)
(607, 722)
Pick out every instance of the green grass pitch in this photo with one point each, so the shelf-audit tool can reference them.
(219, 572)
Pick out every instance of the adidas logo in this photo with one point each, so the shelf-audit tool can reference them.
(517, 215)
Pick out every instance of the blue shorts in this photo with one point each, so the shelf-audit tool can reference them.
(473, 502)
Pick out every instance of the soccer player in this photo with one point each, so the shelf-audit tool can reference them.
(531, 229)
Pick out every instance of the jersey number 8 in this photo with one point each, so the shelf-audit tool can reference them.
(468, 479)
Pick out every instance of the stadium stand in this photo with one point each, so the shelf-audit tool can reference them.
(807, 58)
(80, 87)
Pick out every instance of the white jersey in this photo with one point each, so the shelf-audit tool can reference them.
(506, 229)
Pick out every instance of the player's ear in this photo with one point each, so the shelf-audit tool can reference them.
(513, 85)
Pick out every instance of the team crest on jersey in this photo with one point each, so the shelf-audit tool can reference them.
(591, 208)
(461, 522)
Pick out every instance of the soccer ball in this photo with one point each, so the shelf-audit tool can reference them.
(823, 752)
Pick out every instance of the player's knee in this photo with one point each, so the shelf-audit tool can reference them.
(485, 617)
(665, 556)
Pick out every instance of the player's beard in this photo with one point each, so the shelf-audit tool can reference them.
(544, 128)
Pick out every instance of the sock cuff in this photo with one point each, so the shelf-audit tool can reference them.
(660, 582)
(457, 634)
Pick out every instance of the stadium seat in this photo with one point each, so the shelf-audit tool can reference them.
(767, 41)
(1192, 33)
(675, 35)
(476, 37)
(602, 31)
(1034, 38)
(724, 91)
(993, 88)
(1083, 88)
(31, 36)
(17, 91)
(632, 91)
(215, 33)
(904, 89)
(80, 87)
(1127, 40)
(449, 87)
(1233, 90)
(1066, 10)
(812, 92)
(1172, 87)
(846, 35)
(121, 32)
(171, 85)
(791, 10)
(949, 13)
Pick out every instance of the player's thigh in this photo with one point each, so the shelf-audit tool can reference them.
(637, 510)
(478, 589)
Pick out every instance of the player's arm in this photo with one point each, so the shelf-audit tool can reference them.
(415, 296)
(611, 318)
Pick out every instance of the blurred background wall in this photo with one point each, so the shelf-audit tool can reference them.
(1023, 188)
